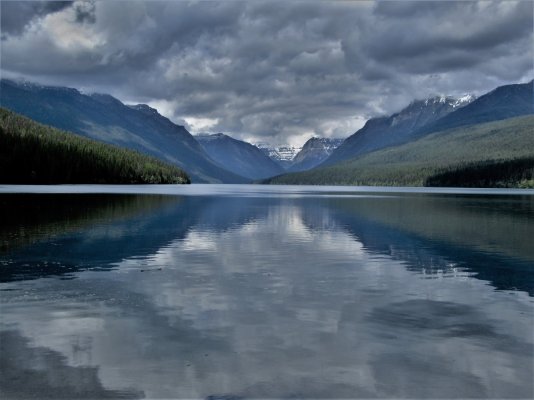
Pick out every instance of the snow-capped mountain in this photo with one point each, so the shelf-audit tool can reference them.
(398, 128)
(464, 100)
(283, 155)
(453, 102)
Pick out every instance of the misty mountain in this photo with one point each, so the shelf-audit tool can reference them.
(421, 118)
(396, 129)
(501, 103)
(313, 153)
(239, 157)
(104, 118)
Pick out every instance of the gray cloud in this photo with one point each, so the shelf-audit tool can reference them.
(85, 12)
(271, 71)
(16, 15)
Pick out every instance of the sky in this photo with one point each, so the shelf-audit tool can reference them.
(275, 72)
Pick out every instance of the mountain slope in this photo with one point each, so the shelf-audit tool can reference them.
(104, 118)
(378, 133)
(31, 153)
(314, 152)
(501, 103)
(411, 164)
(438, 114)
(239, 157)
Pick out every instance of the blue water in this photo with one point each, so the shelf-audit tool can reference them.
(245, 291)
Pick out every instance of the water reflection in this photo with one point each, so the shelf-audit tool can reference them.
(487, 237)
(37, 372)
(208, 297)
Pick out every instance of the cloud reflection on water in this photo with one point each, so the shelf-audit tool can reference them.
(279, 298)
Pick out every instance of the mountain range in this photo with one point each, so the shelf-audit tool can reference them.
(404, 140)
(430, 137)
(104, 118)
(396, 129)
(423, 117)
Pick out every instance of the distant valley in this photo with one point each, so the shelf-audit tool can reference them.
(311, 154)
(239, 157)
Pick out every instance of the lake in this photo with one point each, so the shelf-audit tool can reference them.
(245, 291)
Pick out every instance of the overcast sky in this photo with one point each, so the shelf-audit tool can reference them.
(267, 71)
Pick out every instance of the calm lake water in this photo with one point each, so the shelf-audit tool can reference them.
(230, 292)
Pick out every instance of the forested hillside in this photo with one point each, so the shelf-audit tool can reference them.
(104, 118)
(32, 153)
(423, 161)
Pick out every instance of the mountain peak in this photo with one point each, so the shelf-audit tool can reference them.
(314, 152)
(445, 100)
(464, 100)
(283, 154)
(144, 108)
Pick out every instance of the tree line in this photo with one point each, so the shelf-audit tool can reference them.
(493, 173)
(32, 153)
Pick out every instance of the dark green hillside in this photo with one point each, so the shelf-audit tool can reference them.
(31, 153)
(413, 163)
(500, 173)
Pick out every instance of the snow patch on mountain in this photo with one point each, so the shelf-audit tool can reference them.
(452, 101)
(283, 153)
(464, 100)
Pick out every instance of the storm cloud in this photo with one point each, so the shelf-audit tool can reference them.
(266, 71)
(16, 15)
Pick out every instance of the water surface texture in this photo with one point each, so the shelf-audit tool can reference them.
(232, 292)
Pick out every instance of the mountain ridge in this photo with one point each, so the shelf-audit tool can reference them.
(107, 119)
(33, 153)
(238, 156)
(503, 102)
(396, 128)
(313, 152)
